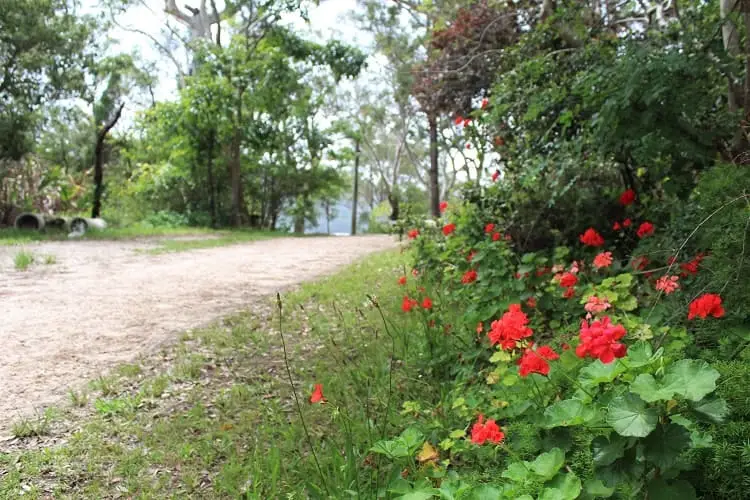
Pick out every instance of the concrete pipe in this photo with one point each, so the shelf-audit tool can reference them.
(30, 221)
(56, 223)
(79, 225)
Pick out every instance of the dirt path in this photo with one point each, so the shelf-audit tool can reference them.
(102, 303)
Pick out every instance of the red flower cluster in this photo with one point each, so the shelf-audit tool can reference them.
(495, 236)
(483, 431)
(591, 238)
(449, 228)
(599, 340)
(568, 280)
(469, 276)
(667, 284)
(408, 304)
(645, 229)
(485, 102)
(495, 175)
(627, 197)
(317, 394)
(691, 267)
(531, 302)
(443, 206)
(708, 304)
(536, 361)
(413, 233)
(604, 259)
(402, 280)
(427, 303)
(511, 328)
(489, 228)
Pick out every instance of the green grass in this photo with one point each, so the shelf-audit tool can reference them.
(23, 260)
(219, 237)
(214, 417)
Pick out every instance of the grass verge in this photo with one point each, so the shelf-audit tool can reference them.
(214, 416)
(212, 237)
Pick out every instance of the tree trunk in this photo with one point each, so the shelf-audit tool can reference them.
(434, 178)
(395, 206)
(731, 39)
(355, 194)
(101, 136)
(211, 187)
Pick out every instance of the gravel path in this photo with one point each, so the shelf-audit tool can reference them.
(102, 303)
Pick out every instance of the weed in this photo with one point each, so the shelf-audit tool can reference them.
(50, 260)
(107, 385)
(29, 427)
(78, 399)
(23, 260)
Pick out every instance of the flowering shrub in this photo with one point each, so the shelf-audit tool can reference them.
(592, 367)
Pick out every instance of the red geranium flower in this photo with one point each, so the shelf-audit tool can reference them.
(569, 292)
(531, 362)
(413, 233)
(599, 340)
(449, 228)
(414, 273)
(531, 302)
(489, 228)
(482, 432)
(408, 304)
(495, 236)
(427, 303)
(626, 223)
(485, 102)
(596, 305)
(317, 394)
(708, 304)
(402, 280)
(467, 122)
(459, 120)
(667, 284)
(565, 346)
(495, 175)
(568, 280)
(443, 206)
(480, 328)
(645, 229)
(692, 266)
(639, 263)
(547, 353)
(627, 197)
(592, 238)
(471, 255)
(510, 328)
(469, 276)
(507, 237)
(604, 259)
(617, 226)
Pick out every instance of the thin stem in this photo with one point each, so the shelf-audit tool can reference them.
(296, 399)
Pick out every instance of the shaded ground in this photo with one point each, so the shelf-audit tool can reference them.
(102, 303)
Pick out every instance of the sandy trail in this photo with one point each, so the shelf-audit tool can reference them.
(103, 303)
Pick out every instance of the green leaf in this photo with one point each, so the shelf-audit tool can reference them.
(599, 373)
(688, 378)
(659, 489)
(412, 438)
(564, 487)
(485, 492)
(664, 445)
(516, 472)
(595, 488)
(568, 412)
(712, 409)
(547, 464)
(641, 354)
(606, 451)
(629, 416)
(420, 494)
(391, 449)
(629, 304)
(646, 386)
(691, 378)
